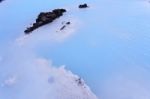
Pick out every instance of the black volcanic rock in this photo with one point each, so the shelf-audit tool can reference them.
(83, 6)
(1, 1)
(45, 18)
(68, 23)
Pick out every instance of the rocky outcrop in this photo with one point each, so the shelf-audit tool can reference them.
(83, 6)
(45, 18)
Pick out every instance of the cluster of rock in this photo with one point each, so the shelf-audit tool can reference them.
(80, 81)
(48, 17)
(45, 18)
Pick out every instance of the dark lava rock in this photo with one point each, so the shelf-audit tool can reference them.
(1, 1)
(45, 18)
(68, 23)
(83, 6)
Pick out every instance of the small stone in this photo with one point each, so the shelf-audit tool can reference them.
(83, 6)
(68, 23)
(62, 27)
(80, 82)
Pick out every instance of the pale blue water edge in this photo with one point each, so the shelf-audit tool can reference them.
(110, 50)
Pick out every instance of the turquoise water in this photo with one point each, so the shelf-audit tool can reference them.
(110, 49)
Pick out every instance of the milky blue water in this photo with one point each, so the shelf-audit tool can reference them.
(110, 49)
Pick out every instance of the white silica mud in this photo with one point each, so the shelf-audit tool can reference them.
(22, 76)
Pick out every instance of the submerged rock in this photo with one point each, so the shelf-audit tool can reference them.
(45, 18)
(64, 26)
(83, 6)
